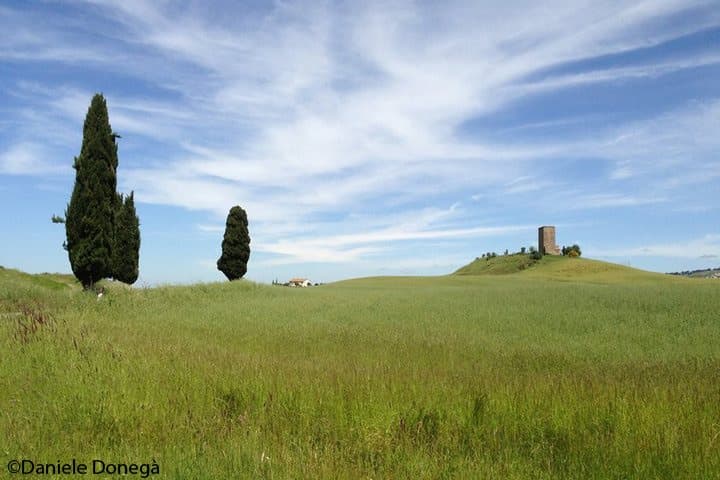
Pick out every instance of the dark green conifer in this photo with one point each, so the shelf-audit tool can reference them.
(126, 250)
(90, 215)
(235, 245)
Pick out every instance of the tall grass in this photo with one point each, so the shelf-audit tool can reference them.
(450, 377)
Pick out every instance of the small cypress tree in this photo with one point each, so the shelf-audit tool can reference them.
(126, 250)
(90, 215)
(235, 245)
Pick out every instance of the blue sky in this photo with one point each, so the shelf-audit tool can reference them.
(370, 138)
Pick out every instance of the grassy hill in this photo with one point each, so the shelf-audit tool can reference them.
(501, 265)
(559, 268)
(20, 287)
(11, 278)
(547, 373)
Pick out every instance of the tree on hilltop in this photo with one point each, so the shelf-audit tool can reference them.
(235, 245)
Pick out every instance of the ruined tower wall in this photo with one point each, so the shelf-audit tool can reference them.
(546, 241)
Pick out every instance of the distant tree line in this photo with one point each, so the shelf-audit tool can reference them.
(708, 271)
(531, 250)
(571, 251)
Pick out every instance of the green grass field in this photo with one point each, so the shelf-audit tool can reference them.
(569, 368)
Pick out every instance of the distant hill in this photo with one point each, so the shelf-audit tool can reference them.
(53, 281)
(703, 273)
(557, 268)
(19, 288)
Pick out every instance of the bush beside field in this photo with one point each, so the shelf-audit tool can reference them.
(600, 375)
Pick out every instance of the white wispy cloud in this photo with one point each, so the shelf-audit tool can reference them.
(707, 246)
(338, 248)
(26, 159)
(619, 74)
(668, 148)
(605, 200)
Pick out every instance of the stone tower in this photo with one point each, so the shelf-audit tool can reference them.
(546, 241)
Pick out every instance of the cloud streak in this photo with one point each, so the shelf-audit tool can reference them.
(707, 246)
(26, 159)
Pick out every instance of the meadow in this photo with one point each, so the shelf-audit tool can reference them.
(567, 369)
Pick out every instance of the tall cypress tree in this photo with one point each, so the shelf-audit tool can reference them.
(235, 245)
(90, 215)
(126, 250)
